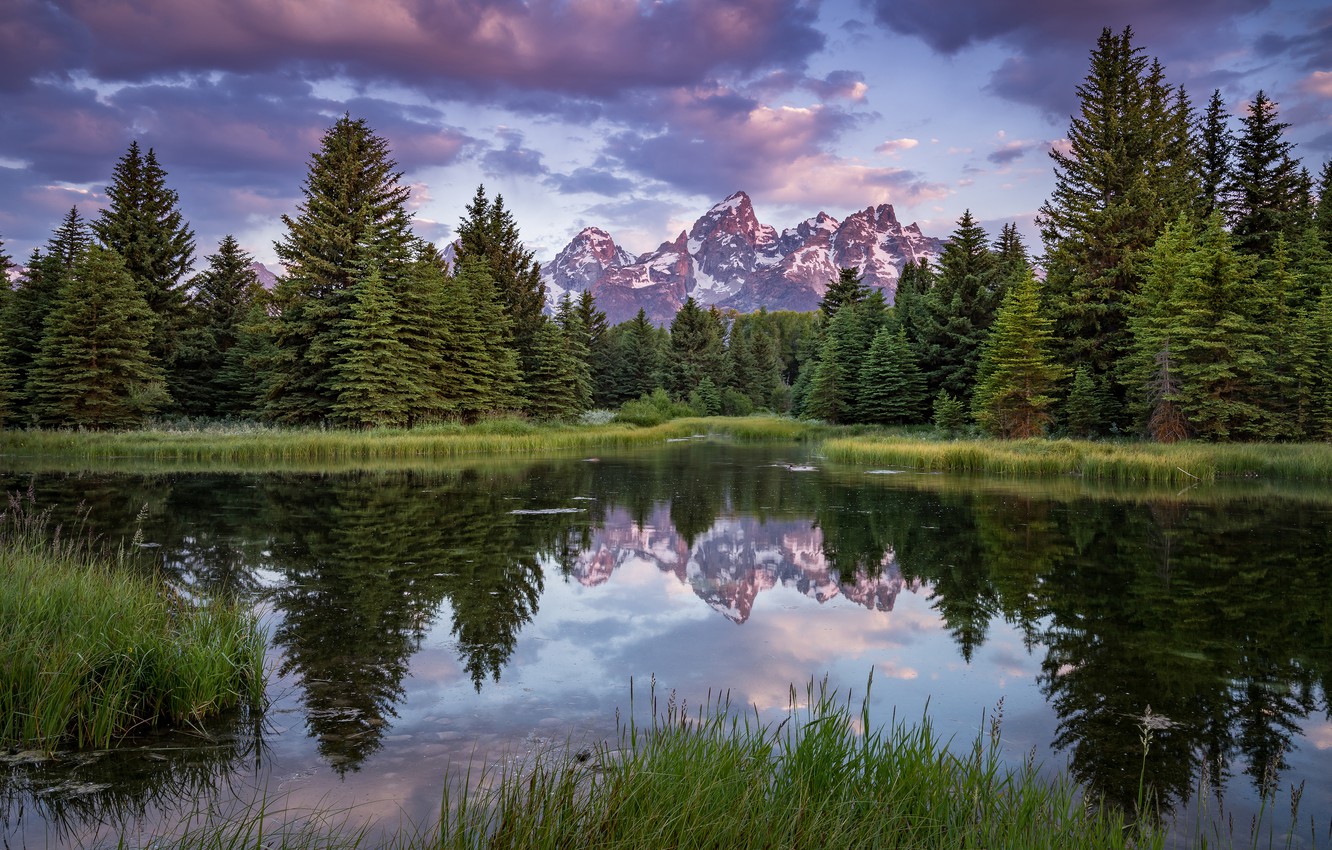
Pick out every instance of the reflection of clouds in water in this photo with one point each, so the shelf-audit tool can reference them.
(1320, 735)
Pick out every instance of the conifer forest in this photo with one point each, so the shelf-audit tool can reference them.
(1182, 290)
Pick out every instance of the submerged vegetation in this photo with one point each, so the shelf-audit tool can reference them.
(94, 652)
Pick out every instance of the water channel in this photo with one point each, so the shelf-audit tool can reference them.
(423, 617)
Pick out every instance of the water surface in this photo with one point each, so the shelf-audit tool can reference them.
(422, 617)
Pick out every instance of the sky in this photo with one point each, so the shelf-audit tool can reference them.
(631, 116)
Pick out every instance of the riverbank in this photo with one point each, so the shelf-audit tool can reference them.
(265, 446)
(95, 650)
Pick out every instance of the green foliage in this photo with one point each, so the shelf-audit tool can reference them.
(94, 369)
(959, 309)
(706, 399)
(371, 381)
(578, 349)
(1017, 378)
(353, 218)
(892, 387)
(479, 364)
(1269, 198)
(950, 414)
(557, 383)
(834, 385)
(1216, 159)
(697, 349)
(652, 409)
(849, 288)
(1082, 409)
(489, 235)
(94, 652)
(142, 222)
(637, 361)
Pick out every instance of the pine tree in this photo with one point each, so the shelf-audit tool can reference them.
(959, 310)
(950, 414)
(705, 398)
(478, 359)
(372, 385)
(1323, 211)
(353, 218)
(892, 387)
(767, 389)
(9, 387)
(489, 234)
(834, 386)
(1017, 377)
(29, 304)
(578, 354)
(1216, 159)
(245, 367)
(849, 288)
(221, 298)
(909, 300)
(1268, 189)
(697, 348)
(94, 369)
(639, 361)
(143, 223)
(600, 357)
(1123, 176)
(1082, 409)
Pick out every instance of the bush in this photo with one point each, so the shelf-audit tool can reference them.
(652, 409)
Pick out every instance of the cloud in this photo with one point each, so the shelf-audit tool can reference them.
(1009, 151)
(593, 47)
(513, 158)
(843, 85)
(895, 146)
(595, 181)
(1319, 84)
(1050, 40)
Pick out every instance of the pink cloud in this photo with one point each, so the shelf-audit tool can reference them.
(1318, 83)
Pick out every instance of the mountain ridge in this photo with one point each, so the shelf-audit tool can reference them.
(729, 259)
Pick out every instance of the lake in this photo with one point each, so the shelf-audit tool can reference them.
(423, 617)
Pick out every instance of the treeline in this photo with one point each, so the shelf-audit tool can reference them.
(1187, 289)
(1184, 293)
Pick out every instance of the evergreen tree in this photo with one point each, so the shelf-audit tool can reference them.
(909, 301)
(552, 385)
(353, 218)
(834, 385)
(28, 305)
(767, 389)
(1268, 190)
(371, 382)
(1017, 377)
(959, 310)
(600, 356)
(94, 369)
(697, 349)
(478, 359)
(638, 360)
(221, 299)
(578, 354)
(1323, 211)
(1123, 176)
(245, 366)
(1082, 409)
(489, 234)
(9, 389)
(1216, 159)
(1319, 420)
(849, 288)
(422, 327)
(950, 414)
(706, 398)
(143, 223)
(892, 387)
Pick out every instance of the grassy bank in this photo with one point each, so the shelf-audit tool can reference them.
(93, 651)
(1155, 463)
(260, 445)
(822, 778)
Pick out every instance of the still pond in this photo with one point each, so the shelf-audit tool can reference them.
(422, 617)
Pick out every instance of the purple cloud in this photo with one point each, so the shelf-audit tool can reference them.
(513, 158)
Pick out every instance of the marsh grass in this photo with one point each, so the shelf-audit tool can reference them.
(1178, 464)
(821, 778)
(266, 446)
(93, 650)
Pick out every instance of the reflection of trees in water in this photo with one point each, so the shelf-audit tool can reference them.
(1218, 617)
(158, 777)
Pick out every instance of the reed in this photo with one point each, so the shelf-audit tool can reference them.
(243, 446)
(1152, 463)
(716, 779)
(94, 650)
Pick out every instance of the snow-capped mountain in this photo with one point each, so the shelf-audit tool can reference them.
(730, 259)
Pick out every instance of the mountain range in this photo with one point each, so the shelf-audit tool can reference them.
(730, 260)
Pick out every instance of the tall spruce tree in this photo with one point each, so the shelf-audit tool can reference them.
(849, 288)
(1323, 210)
(578, 355)
(959, 309)
(833, 394)
(372, 381)
(353, 218)
(600, 361)
(1017, 376)
(29, 304)
(8, 374)
(221, 299)
(1216, 159)
(143, 223)
(1269, 191)
(94, 369)
(639, 361)
(489, 234)
(1119, 181)
(892, 387)
(478, 359)
(697, 349)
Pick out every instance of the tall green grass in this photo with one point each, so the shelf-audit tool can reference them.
(276, 445)
(93, 650)
(1154, 463)
(822, 778)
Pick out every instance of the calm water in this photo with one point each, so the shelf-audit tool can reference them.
(423, 617)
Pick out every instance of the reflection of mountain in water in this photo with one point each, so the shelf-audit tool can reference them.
(734, 561)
